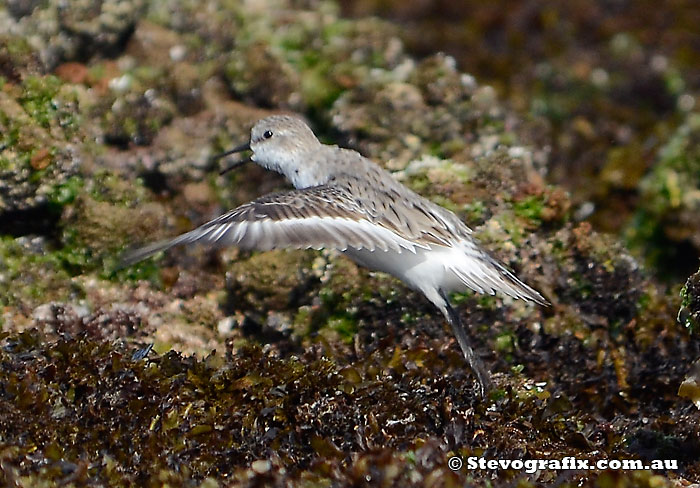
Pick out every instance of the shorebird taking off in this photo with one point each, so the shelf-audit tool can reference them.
(346, 202)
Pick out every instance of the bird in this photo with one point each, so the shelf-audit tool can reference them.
(342, 200)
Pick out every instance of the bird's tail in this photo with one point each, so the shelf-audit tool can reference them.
(485, 274)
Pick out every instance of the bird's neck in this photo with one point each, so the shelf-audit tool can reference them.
(302, 168)
(311, 168)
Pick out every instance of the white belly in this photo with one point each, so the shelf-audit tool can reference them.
(424, 271)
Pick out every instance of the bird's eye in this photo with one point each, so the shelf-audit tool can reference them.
(267, 134)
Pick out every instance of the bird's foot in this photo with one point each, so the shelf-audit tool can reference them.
(483, 378)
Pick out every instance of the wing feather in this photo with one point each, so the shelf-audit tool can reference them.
(317, 217)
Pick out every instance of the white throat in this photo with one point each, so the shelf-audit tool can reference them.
(300, 169)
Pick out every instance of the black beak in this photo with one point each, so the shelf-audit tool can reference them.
(234, 166)
(241, 148)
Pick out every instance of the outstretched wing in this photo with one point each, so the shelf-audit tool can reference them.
(317, 217)
(335, 217)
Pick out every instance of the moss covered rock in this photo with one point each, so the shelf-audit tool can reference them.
(669, 213)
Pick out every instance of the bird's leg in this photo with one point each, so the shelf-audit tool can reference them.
(475, 363)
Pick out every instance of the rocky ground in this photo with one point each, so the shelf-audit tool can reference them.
(300, 368)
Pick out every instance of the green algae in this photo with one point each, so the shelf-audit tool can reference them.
(99, 220)
(37, 98)
(37, 118)
(345, 326)
(98, 217)
(667, 216)
(66, 192)
(531, 208)
(29, 275)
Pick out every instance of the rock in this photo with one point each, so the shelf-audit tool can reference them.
(76, 30)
